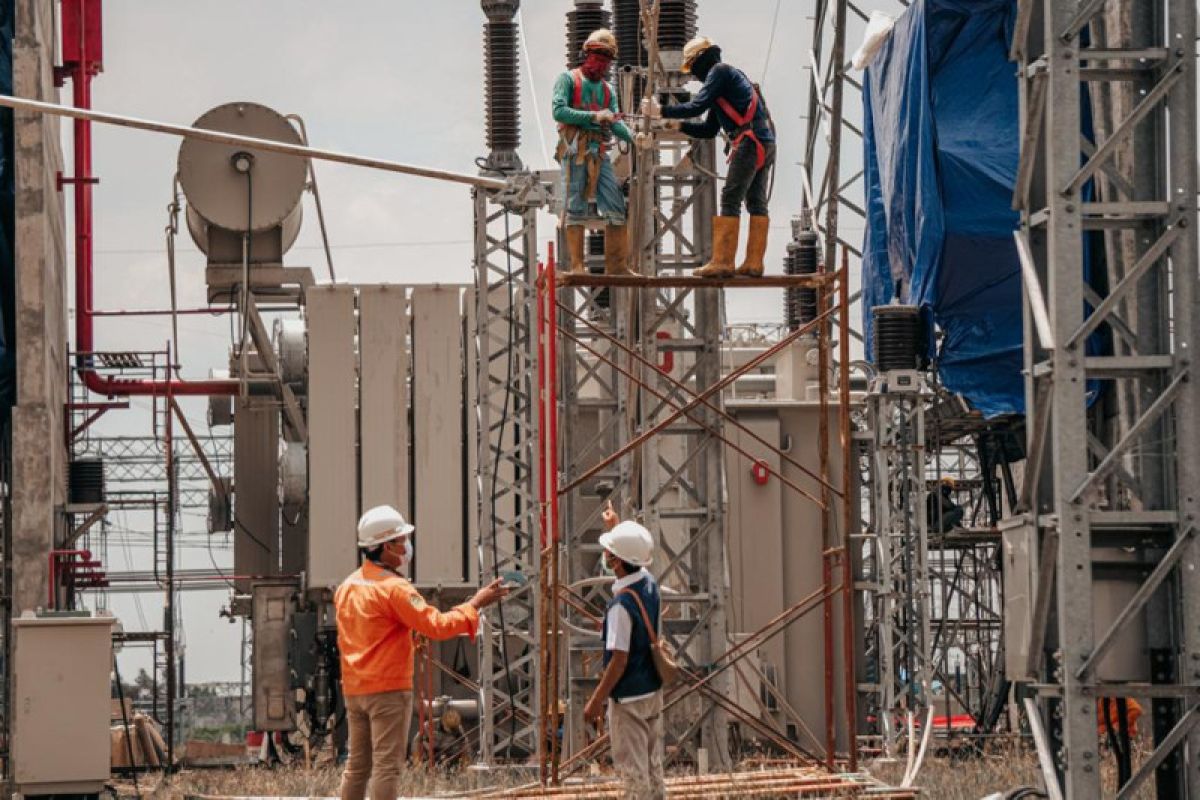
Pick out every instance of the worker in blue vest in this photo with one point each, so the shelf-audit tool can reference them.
(630, 688)
(585, 108)
(730, 103)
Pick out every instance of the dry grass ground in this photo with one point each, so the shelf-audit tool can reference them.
(1000, 769)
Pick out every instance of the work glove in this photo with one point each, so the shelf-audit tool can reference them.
(643, 141)
(672, 125)
(604, 117)
(651, 108)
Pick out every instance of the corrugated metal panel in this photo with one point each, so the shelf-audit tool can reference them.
(437, 434)
(383, 397)
(332, 463)
(255, 489)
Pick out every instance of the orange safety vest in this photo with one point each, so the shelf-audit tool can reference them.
(745, 127)
(377, 613)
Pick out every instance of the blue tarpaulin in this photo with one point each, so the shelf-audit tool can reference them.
(941, 152)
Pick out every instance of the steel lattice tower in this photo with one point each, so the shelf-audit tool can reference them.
(1111, 508)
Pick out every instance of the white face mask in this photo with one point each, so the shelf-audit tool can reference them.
(408, 554)
(604, 563)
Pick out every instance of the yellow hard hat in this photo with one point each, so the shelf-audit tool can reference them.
(692, 51)
(601, 41)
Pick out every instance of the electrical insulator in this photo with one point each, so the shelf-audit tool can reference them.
(803, 257)
(502, 87)
(586, 17)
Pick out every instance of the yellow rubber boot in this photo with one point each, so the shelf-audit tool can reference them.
(724, 248)
(574, 236)
(616, 250)
(756, 247)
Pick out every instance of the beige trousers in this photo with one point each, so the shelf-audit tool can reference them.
(636, 732)
(378, 726)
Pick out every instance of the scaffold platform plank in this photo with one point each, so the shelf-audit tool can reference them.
(811, 281)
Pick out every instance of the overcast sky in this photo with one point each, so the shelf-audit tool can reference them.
(398, 79)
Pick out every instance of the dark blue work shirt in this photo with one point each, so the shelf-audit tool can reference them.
(732, 84)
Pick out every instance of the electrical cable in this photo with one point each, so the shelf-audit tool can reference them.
(533, 89)
(171, 231)
(771, 42)
(312, 174)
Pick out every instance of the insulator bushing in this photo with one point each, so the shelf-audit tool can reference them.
(898, 339)
(501, 81)
(627, 27)
(676, 23)
(803, 258)
(586, 17)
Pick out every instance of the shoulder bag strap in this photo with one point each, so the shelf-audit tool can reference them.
(645, 616)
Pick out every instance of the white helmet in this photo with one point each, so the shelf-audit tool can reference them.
(381, 524)
(629, 542)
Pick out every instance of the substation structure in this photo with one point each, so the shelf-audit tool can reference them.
(937, 556)
(1108, 506)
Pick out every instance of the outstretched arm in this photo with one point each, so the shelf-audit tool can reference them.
(708, 129)
(714, 86)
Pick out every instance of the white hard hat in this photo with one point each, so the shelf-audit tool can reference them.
(381, 524)
(629, 542)
(601, 41)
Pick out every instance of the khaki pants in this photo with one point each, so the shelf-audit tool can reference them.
(636, 732)
(378, 743)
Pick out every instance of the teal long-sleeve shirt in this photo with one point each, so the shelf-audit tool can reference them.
(593, 92)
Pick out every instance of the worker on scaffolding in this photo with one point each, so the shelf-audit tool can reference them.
(378, 611)
(730, 103)
(585, 108)
(630, 685)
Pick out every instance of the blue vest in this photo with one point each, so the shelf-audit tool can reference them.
(640, 676)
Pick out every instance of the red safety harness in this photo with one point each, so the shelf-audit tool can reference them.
(745, 127)
(577, 96)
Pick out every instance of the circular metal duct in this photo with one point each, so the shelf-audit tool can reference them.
(293, 476)
(217, 190)
(291, 348)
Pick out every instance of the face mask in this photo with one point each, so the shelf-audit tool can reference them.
(607, 566)
(595, 65)
(408, 554)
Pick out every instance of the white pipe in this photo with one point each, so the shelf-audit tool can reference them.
(926, 735)
(269, 145)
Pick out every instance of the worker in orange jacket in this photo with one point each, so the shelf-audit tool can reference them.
(378, 611)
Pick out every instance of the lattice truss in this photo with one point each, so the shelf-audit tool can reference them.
(1112, 486)
(508, 512)
(898, 561)
(138, 464)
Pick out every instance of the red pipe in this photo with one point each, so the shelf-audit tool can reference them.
(80, 69)
(54, 556)
(552, 383)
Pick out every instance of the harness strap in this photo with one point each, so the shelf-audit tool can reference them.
(745, 127)
(645, 616)
(577, 94)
